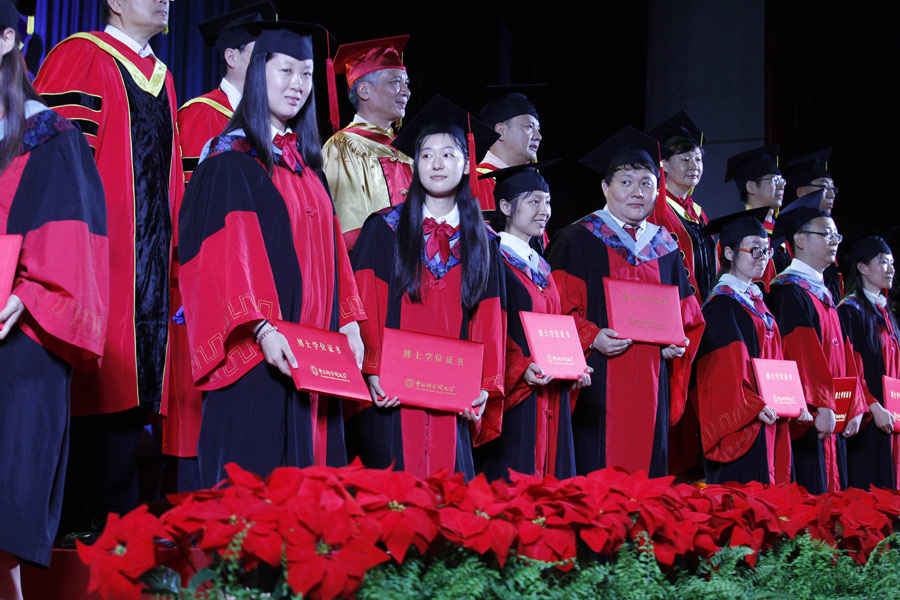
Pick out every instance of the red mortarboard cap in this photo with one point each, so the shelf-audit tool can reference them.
(361, 58)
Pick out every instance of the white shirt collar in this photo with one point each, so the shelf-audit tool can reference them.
(231, 92)
(275, 131)
(640, 227)
(451, 218)
(517, 246)
(142, 51)
(748, 289)
(802, 268)
(495, 160)
(876, 299)
(32, 107)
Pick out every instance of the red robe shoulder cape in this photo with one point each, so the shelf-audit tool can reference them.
(52, 196)
(727, 397)
(199, 120)
(422, 441)
(81, 78)
(623, 418)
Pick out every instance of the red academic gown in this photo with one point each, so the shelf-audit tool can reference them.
(873, 457)
(737, 445)
(258, 248)
(812, 336)
(125, 105)
(537, 423)
(199, 120)
(623, 417)
(51, 195)
(421, 441)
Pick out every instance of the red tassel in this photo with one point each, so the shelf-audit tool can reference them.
(662, 176)
(334, 114)
(473, 172)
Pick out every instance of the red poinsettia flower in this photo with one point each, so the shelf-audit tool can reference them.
(402, 504)
(122, 553)
(477, 519)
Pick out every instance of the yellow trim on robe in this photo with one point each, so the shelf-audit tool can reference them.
(201, 100)
(152, 86)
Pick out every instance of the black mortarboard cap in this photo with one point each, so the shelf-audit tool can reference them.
(26, 7)
(519, 179)
(440, 115)
(293, 38)
(736, 226)
(628, 146)
(866, 246)
(751, 165)
(803, 170)
(788, 224)
(9, 16)
(229, 31)
(497, 103)
(812, 200)
(677, 129)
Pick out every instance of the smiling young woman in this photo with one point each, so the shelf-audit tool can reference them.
(259, 241)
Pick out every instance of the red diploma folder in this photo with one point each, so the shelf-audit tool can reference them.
(554, 344)
(844, 388)
(10, 245)
(892, 398)
(779, 386)
(430, 371)
(644, 312)
(325, 362)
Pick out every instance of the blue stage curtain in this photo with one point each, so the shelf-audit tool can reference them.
(195, 67)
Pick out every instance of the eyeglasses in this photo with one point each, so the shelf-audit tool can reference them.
(757, 253)
(830, 236)
(777, 180)
(828, 187)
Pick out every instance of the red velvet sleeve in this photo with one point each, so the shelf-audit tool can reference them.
(351, 304)
(803, 346)
(573, 298)
(680, 373)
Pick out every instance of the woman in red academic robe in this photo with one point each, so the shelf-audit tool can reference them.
(430, 265)
(537, 422)
(54, 316)
(743, 440)
(258, 241)
(873, 457)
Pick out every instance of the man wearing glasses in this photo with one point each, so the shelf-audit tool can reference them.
(811, 334)
(760, 184)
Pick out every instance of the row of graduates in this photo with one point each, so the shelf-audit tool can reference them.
(791, 260)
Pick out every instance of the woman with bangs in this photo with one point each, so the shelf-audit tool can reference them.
(259, 241)
(873, 457)
(430, 265)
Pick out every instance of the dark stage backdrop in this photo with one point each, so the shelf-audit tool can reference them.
(803, 74)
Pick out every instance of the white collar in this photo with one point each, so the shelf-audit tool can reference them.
(517, 246)
(32, 107)
(493, 159)
(802, 268)
(876, 299)
(142, 51)
(744, 288)
(451, 218)
(275, 131)
(640, 228)
(231, 92)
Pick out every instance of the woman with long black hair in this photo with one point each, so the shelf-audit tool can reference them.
(867, 319)
(54, 317)
(430, 265)
(259, 241)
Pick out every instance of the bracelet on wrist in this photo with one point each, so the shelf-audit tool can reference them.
(265, 333)
(259, 327)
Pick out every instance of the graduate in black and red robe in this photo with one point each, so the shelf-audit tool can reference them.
(260, 241)
(812, 336)
(683, 218)
(54, 317)
(537, 424)
(743, 439)
(873, 456)
(760, 185)
(431, 265)
(637, 390)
